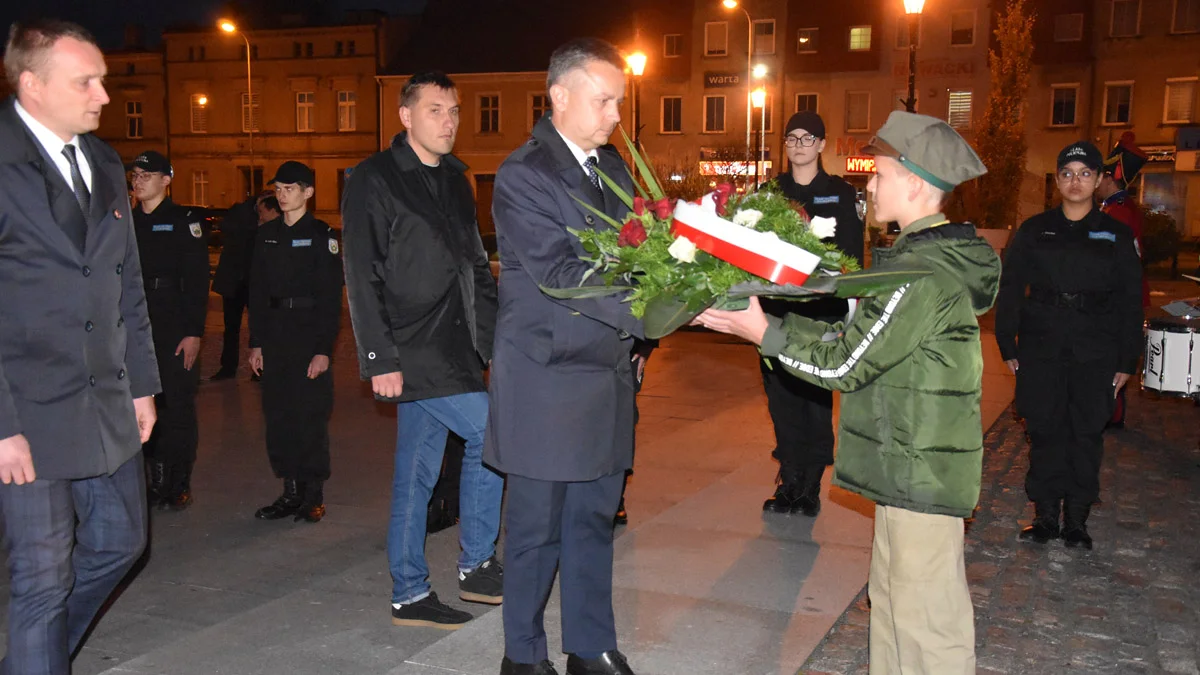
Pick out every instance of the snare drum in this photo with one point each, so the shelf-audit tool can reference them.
(1172, 357)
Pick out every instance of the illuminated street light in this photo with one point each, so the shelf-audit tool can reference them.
(731, 5)
(760, 71)
(637, 65)
(203, 100)
(230, 27)
(758, 97)
(913, 9)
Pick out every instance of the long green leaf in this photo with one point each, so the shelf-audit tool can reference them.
(607, 218)
(641, 190)
(656, 190)
(621, 194)
(584, 292)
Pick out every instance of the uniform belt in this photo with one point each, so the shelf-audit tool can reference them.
(1084, 301)
(161, 283)
(292, 303)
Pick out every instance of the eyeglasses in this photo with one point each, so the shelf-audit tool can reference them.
(808, 140)
(1069, 176)
(143, 177)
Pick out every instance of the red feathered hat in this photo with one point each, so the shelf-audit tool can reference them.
(1125, 161)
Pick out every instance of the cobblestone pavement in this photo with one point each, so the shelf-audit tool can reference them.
(1129, 606)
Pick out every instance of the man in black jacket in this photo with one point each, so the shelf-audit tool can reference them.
(77, 369)
(423, 306)
(803, 413)
(232, 280)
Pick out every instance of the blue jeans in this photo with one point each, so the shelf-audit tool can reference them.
(421, 429)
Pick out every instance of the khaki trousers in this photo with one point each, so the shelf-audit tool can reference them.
(922, 621)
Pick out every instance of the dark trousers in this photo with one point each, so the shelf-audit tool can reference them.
(69, 543)
(568, 527)
(296, 410)
(803, 417)
(1066, 406)
(231, 352)
(177, 432)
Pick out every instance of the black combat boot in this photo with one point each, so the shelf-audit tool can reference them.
(1045, 523)
(809, 502)
(312, 508)
(155, 483)
(288, 503)
(1075, 515)
(179, 495)
(787, 492)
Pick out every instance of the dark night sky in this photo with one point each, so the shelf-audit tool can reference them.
(107, 18)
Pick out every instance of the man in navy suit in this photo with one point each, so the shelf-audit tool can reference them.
(77, 367)
(562, 384)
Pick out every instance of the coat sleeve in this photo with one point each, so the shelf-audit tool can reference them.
(1128, 290)
(366, 234)
(884, 332)
(10, 421)
(525, 215)
(329, 294)
(485, 300)
(1014, 277)
(139, 343)
(193, 270)
(258, 295)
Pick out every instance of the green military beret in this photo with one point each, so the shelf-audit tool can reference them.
(928, 147)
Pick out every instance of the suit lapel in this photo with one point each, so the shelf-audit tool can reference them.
(614, 168)
(60, 199)
(103, 192)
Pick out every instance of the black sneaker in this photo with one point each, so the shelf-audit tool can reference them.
(431, 612)
(483, 584)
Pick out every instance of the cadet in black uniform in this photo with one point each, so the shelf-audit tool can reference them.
(295, 307)
(173, 248)
(1072, 342)
(802, 413)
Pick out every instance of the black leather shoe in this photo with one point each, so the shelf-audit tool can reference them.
(509, 667)
(1039, 532)
(609, 663)
(1074, 533)
(312, 508)
(156, 483)
(809, 502)
(223, 374)
(288, 503)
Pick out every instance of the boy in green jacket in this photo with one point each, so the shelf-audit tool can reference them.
(910, 368)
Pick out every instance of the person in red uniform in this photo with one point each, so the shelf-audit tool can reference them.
(1120, 170)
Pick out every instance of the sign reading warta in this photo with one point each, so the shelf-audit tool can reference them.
(714, 80)
(935, 67)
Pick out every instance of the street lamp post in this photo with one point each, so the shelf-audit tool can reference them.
(912, 8)
(733, 4)
(230, 27)
(637, 65)
(758, 98)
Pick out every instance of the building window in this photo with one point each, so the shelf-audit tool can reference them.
(860, 38)
(338, 48)
(297, 50)
(1179, 100)
(200, 188)
(1063, 108)
(806, 103)
(1118, 97)
(253, 52)
(959, 112)
(962, 28)
(252, 185)
(489, 113)
(539, 105)
(858, 111)
(764, 36)
(306, 101)
(1068, 27)
(902, 32)
(351, 50)
(198, 53)
(1125, 17)
(250, 112)
(714, 114)
(130, 69)
(199, 116)
(672, 45)
(716, 38)
(308, 49)
(806, 40)
(347, 111)
(1186, 18)
(133, 119)
(672, 115)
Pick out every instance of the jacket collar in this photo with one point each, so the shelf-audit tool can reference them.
(406, 158)
(572, 172)
(16, 143)
(922, 224)
(819, 183)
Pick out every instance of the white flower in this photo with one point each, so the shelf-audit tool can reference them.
(747, 217)
(683, 250)
(823, 227)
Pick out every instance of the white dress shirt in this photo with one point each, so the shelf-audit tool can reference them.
(54, 147)
(580, 155)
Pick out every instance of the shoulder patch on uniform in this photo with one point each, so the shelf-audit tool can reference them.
(195, 229)
(1107, 236)
(333, 246)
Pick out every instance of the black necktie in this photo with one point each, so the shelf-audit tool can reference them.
(590, 165)
(77, 183)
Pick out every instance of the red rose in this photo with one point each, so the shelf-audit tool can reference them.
(663, 208)
(724, 189)
(639, 206)
(632, 234)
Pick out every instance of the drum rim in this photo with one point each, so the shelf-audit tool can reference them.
(1167, 326)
